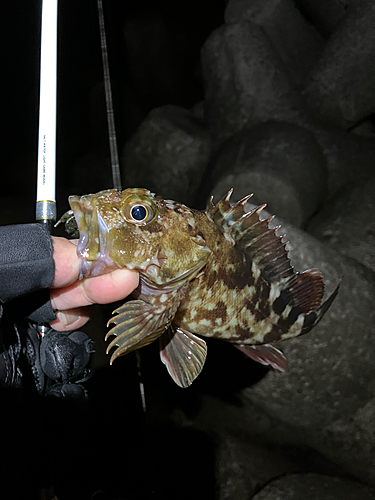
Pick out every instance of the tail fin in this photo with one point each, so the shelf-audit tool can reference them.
(303, 291)
(299, 305)
(313, 318)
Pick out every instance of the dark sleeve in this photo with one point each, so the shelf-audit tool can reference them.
(26, 268)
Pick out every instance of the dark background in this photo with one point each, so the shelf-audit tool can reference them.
(154, 60)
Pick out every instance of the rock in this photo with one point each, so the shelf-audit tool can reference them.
(247, 456)
(365, 128)
(344, 223)
(336, 91)
(280, 163)
(198, 111)
(314, 487)
(293, 38)
(243, 466)
(328, 391)
(325, 16)
(168, 154)
(246, 81)
(349, 157)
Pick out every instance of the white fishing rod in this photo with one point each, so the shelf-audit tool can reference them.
(45, 212)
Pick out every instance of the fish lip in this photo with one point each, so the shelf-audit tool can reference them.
(101, 263)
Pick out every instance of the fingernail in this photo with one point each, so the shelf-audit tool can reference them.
(67, 319)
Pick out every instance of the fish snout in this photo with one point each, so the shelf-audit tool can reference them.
(92, 245)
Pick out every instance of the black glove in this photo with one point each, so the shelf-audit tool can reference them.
(10, 351)
(54, 364)
(65, 357)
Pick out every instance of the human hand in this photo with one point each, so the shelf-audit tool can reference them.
(70, 295)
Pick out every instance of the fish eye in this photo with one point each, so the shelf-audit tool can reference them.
(138, 210)
(139, 213)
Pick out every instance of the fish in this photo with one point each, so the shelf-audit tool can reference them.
(222, 273)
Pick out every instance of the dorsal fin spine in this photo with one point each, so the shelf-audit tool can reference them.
(209, 205)
(244, 224)
(244, 200)
(253, 234)
(266, 234)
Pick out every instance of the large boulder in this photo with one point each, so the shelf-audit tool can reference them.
(325, 16)
(349, 157)
(336, 91)
(246, 81)
(281, 164)
(296, 41)
(168, 154)
(345, 223)
(314, 487)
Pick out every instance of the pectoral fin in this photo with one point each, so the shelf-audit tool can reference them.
(266, 355)
(138, 323)
(183, 354)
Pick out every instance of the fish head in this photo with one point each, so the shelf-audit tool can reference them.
(137, 230)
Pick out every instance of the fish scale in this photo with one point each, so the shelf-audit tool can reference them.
(223, 274)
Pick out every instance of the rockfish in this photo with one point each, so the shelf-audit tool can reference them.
(222, 273)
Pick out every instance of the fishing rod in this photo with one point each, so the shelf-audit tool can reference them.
(115, 165)
(45, 210)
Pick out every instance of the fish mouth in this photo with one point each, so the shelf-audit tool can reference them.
(92, 246)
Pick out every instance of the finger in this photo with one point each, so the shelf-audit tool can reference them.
(100, 290)
(70, 319)
(66, 262)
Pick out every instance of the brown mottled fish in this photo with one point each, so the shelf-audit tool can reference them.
(222, 274)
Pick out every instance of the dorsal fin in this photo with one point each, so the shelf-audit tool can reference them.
(253, 235)
(223, 213)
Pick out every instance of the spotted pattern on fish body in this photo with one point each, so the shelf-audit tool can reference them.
(222, 274)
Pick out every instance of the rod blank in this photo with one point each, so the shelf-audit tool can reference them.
(46, 198)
